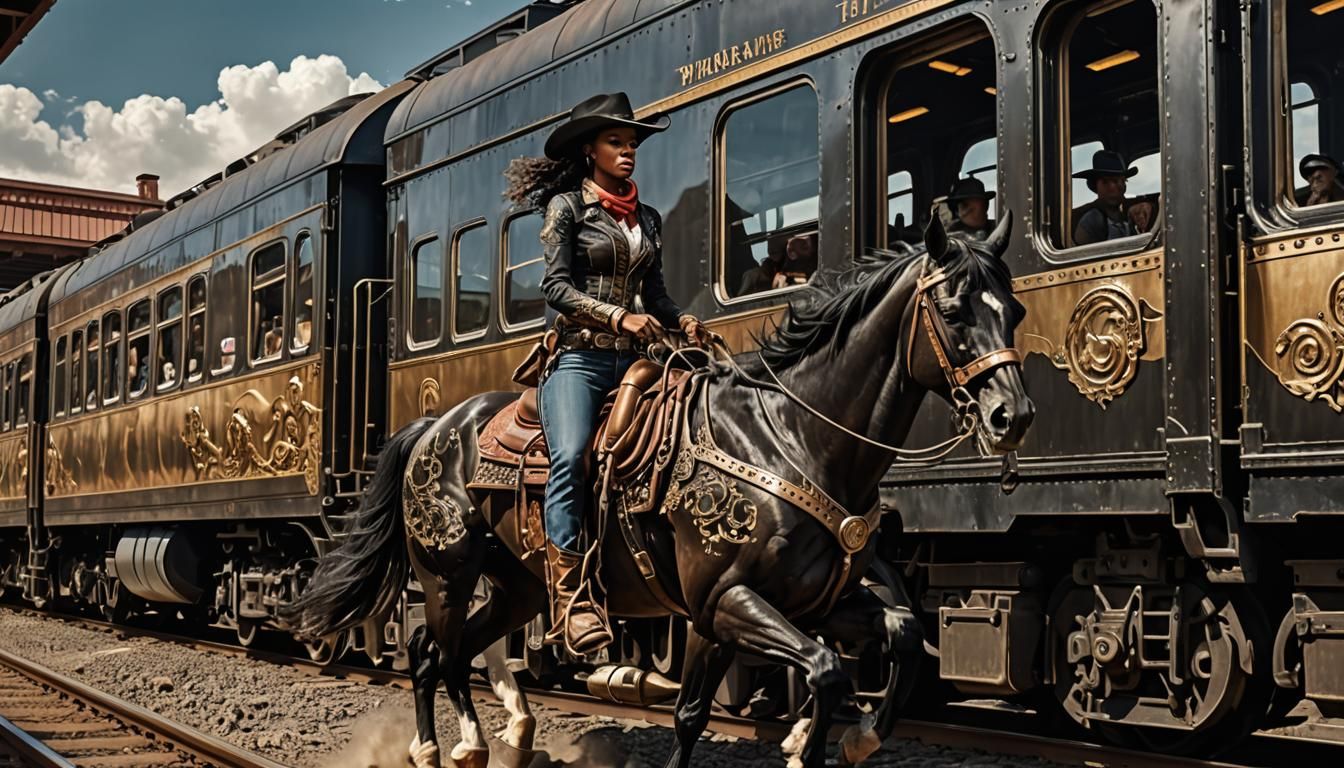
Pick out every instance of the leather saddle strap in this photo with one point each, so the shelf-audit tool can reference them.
(633, 534)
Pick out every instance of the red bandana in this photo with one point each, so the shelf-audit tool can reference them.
(621, 207)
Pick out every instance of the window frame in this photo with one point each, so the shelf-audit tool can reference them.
(120, 352)
(7, 406)
(19, 389)
(1283, 172)
(159, 326)
(205, 331)
(419, 242)
(130, 336)
(97, 355)
(454, 259)
(60, 372)
(1054, 158)
(292, 322)
(503, 274)
(252, 285)
(719, 182)
(76, 383)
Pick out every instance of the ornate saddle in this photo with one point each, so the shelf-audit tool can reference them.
(634, 422)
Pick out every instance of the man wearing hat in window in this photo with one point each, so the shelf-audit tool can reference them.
(1322, 175)
(969, 200)
(1106, 219)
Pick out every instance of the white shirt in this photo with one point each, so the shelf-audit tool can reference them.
(635, 238)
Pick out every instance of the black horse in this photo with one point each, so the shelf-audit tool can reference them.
(817, 412)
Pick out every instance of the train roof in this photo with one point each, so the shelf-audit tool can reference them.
(574, 30)
(23, 303)
(337, 141)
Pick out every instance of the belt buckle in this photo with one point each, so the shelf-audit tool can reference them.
(604, 341)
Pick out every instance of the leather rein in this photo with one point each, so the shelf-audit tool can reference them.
(968, 410)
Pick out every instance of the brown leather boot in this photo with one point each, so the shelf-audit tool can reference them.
(577, 624)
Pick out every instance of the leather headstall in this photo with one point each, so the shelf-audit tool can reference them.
(957, 376)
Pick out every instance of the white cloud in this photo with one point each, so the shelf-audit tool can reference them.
(154, 134)
(51, 94)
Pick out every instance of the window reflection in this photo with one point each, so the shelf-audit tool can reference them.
(523, 301)
(771, 185)
(427, 296)
(471, 305)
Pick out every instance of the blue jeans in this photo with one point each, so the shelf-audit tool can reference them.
(571, 397)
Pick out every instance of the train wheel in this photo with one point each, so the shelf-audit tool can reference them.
(325, 650)
(1167, 668)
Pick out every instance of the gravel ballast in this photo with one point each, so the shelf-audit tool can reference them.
(304, 720)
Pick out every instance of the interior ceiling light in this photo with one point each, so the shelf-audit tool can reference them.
(1115, 60)
(991, 90)
(1324, 8)
(908, 114)
(951, 69)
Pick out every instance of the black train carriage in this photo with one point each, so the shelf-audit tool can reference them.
(1132, 575)
(209, 381)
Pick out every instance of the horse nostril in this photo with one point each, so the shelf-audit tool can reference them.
(1000, 419)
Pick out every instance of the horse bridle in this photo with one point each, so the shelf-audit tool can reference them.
(957, 376)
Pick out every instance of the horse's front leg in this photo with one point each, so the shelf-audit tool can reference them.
(424, 658)
(862, 617)
(749, 623)
(706, 663)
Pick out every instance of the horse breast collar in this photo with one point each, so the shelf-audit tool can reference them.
(722, 514)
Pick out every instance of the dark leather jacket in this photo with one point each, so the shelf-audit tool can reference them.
(590, 273)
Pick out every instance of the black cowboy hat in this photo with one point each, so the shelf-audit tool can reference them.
(593, 113)
(968, 188)
(1312, 162)
(1106, 163)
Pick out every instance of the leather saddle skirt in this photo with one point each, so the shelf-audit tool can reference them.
(632, 425)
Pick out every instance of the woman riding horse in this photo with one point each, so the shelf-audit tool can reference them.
(603, 248)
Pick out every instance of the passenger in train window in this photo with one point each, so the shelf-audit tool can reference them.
(1105, 219)
(762, 276)
(275, 336)
(303, 325)
(1323, 184)
(970, 202)
(196, 351)
(226, 353)
(1142, 212)
(594, 221)
(800, 261)
(136, 370)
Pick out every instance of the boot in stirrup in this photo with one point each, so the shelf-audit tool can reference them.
(574, 624)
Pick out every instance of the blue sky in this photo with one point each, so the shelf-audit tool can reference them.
(95, 74)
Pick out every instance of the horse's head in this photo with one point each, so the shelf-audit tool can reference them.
(961, 340)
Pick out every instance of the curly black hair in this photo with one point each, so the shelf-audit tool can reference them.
(533, 181)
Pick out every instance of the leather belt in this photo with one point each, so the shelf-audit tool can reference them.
(590, 339)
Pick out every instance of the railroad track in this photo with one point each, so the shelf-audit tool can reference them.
(1005, 739)
(54, 721)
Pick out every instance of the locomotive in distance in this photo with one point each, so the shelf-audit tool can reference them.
(191, 412)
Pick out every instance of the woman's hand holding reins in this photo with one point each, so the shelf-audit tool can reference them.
(646, 328)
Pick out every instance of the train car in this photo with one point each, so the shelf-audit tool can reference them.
(210, 379)
(23, 358)
(1173, 502)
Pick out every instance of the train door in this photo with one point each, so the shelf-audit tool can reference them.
(1293, 282)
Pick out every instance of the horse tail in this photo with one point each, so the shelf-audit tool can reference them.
(364, 576)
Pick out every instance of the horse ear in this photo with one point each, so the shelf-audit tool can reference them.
(997, 242)
(935, 238)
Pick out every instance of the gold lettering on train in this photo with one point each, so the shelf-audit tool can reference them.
(853, 10)
(732, 56)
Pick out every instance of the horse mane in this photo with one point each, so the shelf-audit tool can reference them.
(821, 315)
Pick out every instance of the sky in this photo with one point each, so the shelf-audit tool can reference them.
(103, 90)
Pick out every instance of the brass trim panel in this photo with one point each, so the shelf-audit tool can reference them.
(14, 466)
(1096, 321)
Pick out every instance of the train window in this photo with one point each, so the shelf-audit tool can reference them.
(23, 390)
(771, 182)
(138, 322)
(473, 275)
(169, 348)
(1315, 70)
(268, 301)
(91, 348)
(59, 393)
(426, 310)
(938, 140)
(111, 357)
(76, 368)
(1106, 74)
(523, 269)
(302, 334)
(196, 328)
(8, 405)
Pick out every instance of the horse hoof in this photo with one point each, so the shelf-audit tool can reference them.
(505, 755)
(470, 758)
(858, 742)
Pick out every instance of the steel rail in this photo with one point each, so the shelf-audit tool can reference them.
(209, 748)
(30, 749)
